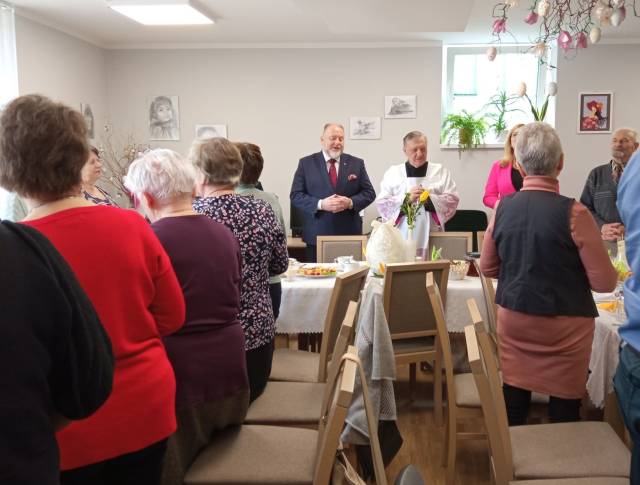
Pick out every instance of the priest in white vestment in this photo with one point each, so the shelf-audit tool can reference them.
(413, 177)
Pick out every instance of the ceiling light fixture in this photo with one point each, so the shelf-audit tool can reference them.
(162, 12)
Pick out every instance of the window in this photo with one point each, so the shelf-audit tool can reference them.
(8, 85)
(470, 81)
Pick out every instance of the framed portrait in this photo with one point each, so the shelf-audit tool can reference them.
(204, 132)
(364, 127)
(400, 106)
(164, 118)
(595, 113)
(87, 114)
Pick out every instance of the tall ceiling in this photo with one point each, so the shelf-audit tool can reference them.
(296, 22)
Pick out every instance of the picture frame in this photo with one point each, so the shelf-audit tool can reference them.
(364, 128)
(164, 117)
(87, 114)
(400, 106)
(205, 132)
(595, 112)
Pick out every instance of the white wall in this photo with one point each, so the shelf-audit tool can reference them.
(279, 99)
(62, 67)
(601, 68)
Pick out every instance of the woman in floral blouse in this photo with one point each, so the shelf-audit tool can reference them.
(263, 245)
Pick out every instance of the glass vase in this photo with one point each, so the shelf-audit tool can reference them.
(410, 247)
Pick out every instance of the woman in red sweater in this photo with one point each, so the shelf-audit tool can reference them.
(126, 274)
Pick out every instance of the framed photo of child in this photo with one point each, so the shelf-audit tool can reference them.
(595, 113)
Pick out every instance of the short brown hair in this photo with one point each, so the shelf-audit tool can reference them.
(253, 163)
(509, 156)
(218, 159)
(43, 147)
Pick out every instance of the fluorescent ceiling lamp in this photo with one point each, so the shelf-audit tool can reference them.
(161, 12)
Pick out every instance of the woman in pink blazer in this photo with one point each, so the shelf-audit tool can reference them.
(504, 178)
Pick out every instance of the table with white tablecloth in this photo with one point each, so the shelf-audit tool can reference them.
(604, 357)
(305, 302)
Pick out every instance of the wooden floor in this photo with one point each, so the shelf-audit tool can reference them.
(424, 441)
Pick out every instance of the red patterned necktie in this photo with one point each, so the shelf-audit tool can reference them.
(333, 174)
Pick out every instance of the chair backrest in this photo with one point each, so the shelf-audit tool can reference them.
(489, 293)
(443, 336)
(468, 220)
(341, 390)
(406, 307)
(345, 338)
(330, 247)
(347, 288)
(484, 367)
(480, 240)
(455, 245)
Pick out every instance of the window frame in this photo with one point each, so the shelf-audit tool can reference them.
(546, 74)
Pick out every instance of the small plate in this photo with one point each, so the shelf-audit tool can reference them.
(301, 275)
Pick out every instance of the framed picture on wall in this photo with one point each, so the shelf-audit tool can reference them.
(164, 118)
(400, 106)
(87, 114)
(595, 112)
(364, 127)
(204, 132)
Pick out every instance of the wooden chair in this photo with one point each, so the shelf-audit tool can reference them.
(300, 403)
(489, 294)
(300, 366)
(330, 247)
(271, 454)
(538, 452)
(463, 401)
(411, 322)
(468, 220)
(455, 245)
(480, 239)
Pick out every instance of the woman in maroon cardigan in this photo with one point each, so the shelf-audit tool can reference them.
(208, 357)
(126, 274)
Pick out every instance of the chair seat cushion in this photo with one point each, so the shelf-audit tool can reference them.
(407, 346)
(585, 449)
(575, 481)
(466, 391)
(287, 403)
(294, 366)
(256, 454)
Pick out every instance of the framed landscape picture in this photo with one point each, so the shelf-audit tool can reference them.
(595, 113)
(400, 106)
(364, 127)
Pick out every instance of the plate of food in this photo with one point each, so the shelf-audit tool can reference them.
(317, 271)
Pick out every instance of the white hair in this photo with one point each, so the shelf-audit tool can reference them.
(161, 173)
(631, 133)
(538, 149)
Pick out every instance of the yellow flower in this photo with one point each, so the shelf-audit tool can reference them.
(424, 196)
(382, 268)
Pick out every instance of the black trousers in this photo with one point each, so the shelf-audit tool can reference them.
(312, 253)
(142, 467)
(259, 369)
(275, 292)
(518, 400)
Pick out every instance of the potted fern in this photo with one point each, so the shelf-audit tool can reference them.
(465, 129)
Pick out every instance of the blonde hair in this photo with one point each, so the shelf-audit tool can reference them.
(509, 154)
(218, 159)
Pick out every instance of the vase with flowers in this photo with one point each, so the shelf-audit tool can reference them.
(410, 210)
(538, 114)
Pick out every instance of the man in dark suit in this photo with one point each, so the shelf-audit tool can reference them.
(331, 188)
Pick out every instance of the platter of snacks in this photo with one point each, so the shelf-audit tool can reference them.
(309, 271)
(458, 269)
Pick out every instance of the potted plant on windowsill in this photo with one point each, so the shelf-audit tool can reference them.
(465, 129)
(502, 104)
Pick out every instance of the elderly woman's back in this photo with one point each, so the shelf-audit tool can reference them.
(262, 243)
(547, 253)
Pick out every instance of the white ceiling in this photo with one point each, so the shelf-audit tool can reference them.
(297, 22)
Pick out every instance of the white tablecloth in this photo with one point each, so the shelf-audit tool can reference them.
(604, 357)
(305, 302)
